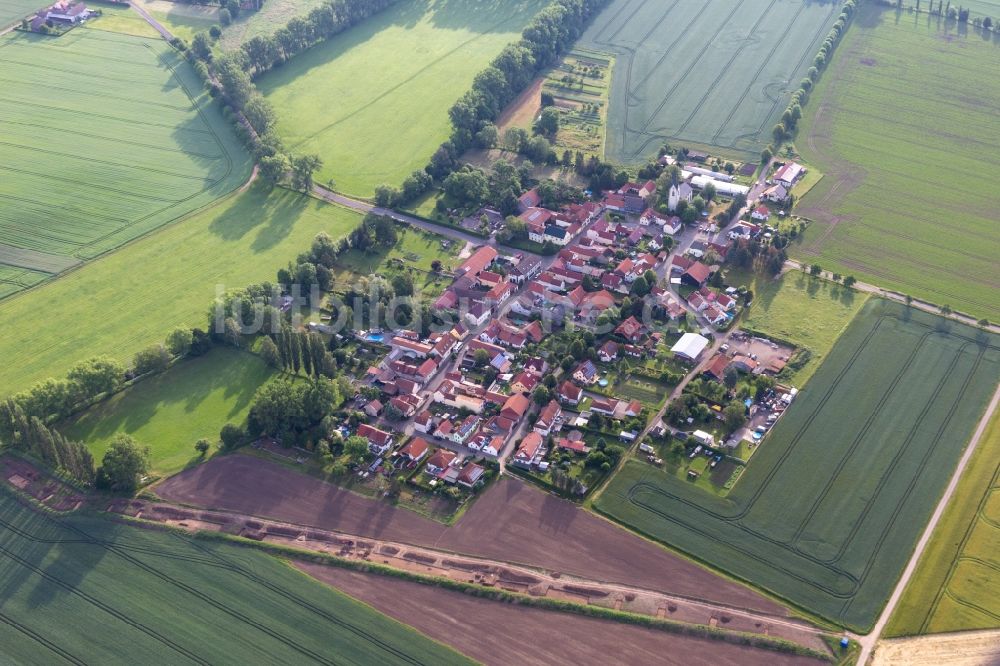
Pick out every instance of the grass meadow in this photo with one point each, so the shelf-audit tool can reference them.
(806, 311)
(122, 19)
(828, 510)
(85, 589)
(273, 15)
(908, 201)
(956, 586)
(106, 137)
(709, 75)
(172, 411)
(373, 102)
(134, 297)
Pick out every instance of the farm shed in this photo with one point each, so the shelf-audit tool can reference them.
(690, 346)
(725, 189)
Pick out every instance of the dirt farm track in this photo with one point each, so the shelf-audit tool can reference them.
(512, 522)
(489, 632)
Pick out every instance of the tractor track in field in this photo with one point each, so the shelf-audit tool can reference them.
(633, 495)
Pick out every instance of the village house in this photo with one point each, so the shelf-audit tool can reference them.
(405, 404)
(523, 382)
(415, 449)
(528, 451)
(466, 429)
(516, 407)
(470, 475)
(631, 329)
(761, 213)
(537, 366)
(585, 372)
(547, 419)
(423, 422)
(608, 351)
(529, 199)
(606, 406)
(696, 275)
(379, 441)
(373, 408)
(777, 193)
(570, 393)
(439, 462)
(577, 446)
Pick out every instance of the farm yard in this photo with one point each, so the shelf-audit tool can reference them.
(243, 239)
(124, 127)
(918, 217)
(380, 127)
(173, 410)
(854, 468)
(714, 76)
(89, 590)
(808, 312)
(521, 524)
(956, 587)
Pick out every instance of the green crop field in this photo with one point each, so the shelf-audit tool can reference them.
(84, 589)
(373, 102)
(808, 312)
(907, 202)
(106, 137)
(12, 11)
(172, 411)
(272, 15)
(713, 75)
(956, 586)
(827, 513)
(131, 298)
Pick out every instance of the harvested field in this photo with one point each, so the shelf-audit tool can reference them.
(840, 489)
(971, 648)
(493, 633)
(125, 125)
(512, 522)
(889, 131)
(711, 75)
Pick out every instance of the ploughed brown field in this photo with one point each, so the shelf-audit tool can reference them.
(512, 522)
(495, 633)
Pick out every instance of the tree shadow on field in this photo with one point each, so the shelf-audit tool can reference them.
(282, 212)
(69, 563)
(272, 211)
(482, 15)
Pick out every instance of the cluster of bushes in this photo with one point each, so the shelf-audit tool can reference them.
(547, 36)
(785, 129)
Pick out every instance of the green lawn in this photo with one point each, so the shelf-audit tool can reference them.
(827, 513)
(172, 411)
(84, 589)
(906, 202)
(373, 102)
(135, 296)
(803, 310)
(120, 18)
(711, 75)
(956, 586)
(124, 124)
